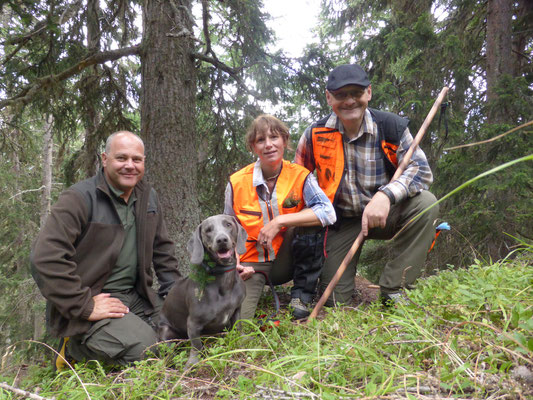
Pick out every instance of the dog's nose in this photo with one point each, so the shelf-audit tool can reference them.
(222, 240)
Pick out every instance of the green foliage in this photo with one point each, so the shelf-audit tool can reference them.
(464, 333)
(41, 41)
(19, 183)
(226, 105)
(496, 205)
(200, 275)
(21, 306)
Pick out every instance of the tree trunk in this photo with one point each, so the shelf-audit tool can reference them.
(499, 44)
(38, 315)
(522, 35)
(89, 90)
(47, 171)
(168, 115)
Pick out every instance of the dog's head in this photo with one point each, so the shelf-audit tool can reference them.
(219, 236)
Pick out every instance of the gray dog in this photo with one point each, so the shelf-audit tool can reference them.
(210, 299)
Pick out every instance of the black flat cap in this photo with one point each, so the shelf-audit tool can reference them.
(347, 74)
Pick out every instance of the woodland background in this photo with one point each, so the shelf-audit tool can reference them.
(189, 76)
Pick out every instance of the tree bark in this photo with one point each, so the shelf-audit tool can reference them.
(499, 45)
(89, 89)
(38, 316)
(168, 115)
(522, 35)
(47, 170)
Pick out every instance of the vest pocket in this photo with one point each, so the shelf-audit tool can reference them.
(249, 212)
(325, 142)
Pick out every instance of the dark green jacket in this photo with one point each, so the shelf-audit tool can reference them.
(80, 242)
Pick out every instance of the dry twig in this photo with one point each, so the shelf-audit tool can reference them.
(492, 139)
(20, 392)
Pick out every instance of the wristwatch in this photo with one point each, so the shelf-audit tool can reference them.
(387, 193)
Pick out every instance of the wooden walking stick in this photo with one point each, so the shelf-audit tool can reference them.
(360, 238)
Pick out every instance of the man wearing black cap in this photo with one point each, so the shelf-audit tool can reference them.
(355, 151)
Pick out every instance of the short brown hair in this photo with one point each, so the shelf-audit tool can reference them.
(261, 124)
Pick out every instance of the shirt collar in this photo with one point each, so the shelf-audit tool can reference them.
(258, 178)
(367, 126)
(117, 192)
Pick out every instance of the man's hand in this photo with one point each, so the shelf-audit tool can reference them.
(245, 272)
(375, 213)
(106, 306)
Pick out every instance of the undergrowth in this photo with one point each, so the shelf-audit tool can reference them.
(468, 333)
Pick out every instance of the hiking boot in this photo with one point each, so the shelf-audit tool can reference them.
(299, 308)
(62, 359)
(392, 299)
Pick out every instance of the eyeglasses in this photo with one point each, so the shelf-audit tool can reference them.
(354, 94)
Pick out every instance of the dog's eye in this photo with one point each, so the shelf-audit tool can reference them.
(228, 225)
(208, 230)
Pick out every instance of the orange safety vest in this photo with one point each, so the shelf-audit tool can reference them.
(328, 149)
(253, 212)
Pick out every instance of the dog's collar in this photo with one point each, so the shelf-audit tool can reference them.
(205, 272)
(212, 268)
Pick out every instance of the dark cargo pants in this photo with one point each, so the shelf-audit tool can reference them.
(403, 263)
(119, 340)
(307, 259)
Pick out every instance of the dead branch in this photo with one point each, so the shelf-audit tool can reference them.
(264, 392)
(20, 392)
(183, 33)
(492, 139)
(31, 190)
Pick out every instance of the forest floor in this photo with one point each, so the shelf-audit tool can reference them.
(467, 334)
(365, 293)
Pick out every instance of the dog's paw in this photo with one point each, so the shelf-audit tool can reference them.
(192, 361)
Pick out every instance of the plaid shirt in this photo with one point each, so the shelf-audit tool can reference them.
(365, 169)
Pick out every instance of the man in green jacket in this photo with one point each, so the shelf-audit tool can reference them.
(92, 259)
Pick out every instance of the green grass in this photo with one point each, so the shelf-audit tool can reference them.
(464, 335)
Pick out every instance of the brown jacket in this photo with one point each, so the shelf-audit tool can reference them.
(80, 242)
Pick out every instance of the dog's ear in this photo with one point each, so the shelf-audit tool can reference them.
(241, 237)
(195, 246)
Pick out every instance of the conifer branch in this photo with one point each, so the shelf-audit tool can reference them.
(233, 72)
(22, 39)
(46, 82)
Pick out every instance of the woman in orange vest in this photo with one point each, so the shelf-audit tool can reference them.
(268, 197)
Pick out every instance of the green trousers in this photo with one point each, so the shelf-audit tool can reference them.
(119, 340)
(279, 271)
(403, 262)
